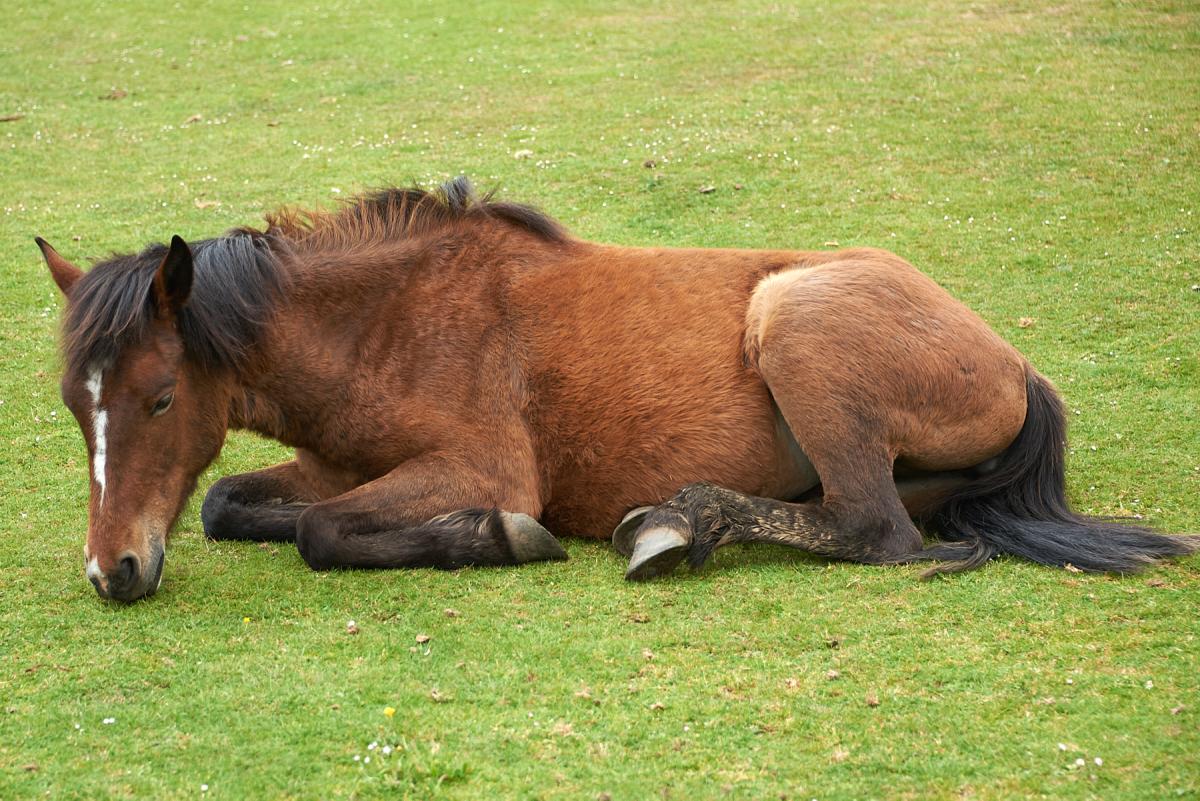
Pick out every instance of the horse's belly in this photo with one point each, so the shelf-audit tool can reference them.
(754, 453)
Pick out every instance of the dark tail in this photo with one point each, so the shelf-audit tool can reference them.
(1021, 508)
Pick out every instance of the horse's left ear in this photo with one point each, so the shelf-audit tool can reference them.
(173, 281)
(62, 271)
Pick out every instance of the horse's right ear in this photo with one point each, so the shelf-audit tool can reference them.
(64, 273)
(173, 281)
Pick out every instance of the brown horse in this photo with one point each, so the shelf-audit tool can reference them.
(453, 370)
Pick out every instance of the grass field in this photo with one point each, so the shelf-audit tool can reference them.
(1040, 162)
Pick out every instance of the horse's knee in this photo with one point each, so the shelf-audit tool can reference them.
(214, 512)
(316, 539)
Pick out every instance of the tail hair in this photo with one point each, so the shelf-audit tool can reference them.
(1021, 508)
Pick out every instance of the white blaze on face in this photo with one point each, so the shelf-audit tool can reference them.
(99, 430)
(93, 570)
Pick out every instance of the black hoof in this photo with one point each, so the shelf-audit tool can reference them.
(529, 541)
(622, 536)
(656, 551)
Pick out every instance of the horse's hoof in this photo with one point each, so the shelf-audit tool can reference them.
(622, 536)
(529, 540)
(656, 552)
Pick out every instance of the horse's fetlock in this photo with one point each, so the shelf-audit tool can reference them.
(702, 547)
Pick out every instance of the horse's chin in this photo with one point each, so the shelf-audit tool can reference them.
(156, 579)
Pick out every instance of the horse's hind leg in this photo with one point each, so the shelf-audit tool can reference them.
(703, 517)
(869, 530)
(870, 361)
(859, 516)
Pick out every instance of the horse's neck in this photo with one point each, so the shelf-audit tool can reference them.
(326, 348)
(312, 345)
(256, 412)
(285, 397)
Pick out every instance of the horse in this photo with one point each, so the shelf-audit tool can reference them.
(460, 377)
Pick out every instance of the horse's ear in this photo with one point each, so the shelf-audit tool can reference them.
(64, 273)
(173, 281)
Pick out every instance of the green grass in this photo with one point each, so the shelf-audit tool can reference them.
(1039, 162)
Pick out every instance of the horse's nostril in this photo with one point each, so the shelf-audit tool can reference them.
(127, 573)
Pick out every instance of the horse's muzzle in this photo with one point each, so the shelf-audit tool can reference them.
(131, 580)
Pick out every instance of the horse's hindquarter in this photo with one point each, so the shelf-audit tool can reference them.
(636, 380)
(924, 372)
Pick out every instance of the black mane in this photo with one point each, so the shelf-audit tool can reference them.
(237, 282)
(240, 277)
(456, 200)
(396, 213)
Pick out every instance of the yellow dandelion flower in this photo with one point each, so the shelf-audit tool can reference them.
(389, 711)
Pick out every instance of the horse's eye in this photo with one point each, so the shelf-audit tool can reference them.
(163, 404)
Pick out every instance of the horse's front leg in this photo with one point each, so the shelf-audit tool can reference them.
(262, 506)
(433, 511)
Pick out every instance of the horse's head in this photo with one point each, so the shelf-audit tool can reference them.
(152, 418)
